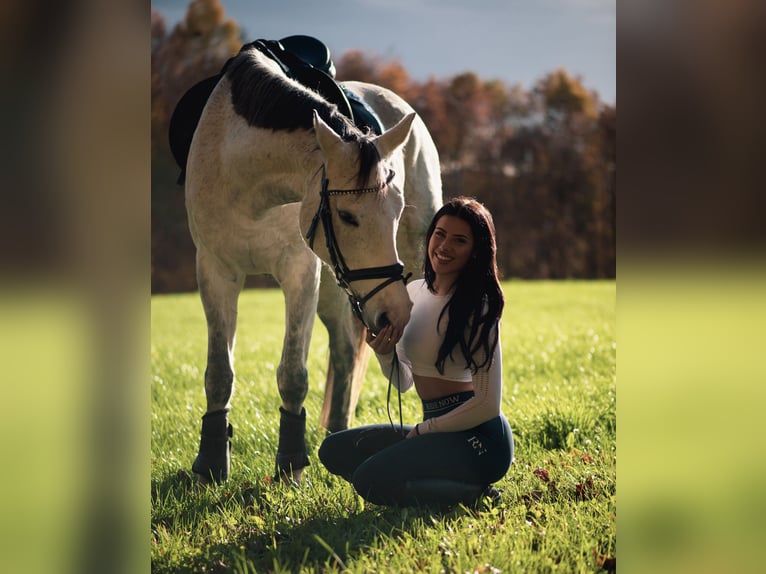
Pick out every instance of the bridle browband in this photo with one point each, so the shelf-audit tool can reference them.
(343, 275)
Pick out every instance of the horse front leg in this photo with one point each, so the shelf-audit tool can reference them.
(349, 355)
(219, 290)
(298, 275)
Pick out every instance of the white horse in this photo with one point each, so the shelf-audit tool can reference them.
(277, 182)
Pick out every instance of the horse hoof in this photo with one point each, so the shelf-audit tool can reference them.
(293, 477)
(288, 477)
(202, 480)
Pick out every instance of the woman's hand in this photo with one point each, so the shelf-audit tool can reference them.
(413, 432)
(385, 341)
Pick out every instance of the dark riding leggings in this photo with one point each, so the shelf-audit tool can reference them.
(441, 469)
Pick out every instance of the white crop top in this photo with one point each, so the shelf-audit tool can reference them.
(424, 334)
(417, 351)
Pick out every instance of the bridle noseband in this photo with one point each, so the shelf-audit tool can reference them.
(343, 275)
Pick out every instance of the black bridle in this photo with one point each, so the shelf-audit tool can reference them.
(343, 275)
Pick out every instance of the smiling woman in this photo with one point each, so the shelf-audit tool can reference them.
(450, 248)
(450, 352)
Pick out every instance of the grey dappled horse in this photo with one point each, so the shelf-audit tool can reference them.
(277, 182)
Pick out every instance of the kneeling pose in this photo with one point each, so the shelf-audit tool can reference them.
(450, 352)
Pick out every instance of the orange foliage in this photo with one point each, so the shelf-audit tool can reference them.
(542, 160)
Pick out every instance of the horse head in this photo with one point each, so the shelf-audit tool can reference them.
(358, 205)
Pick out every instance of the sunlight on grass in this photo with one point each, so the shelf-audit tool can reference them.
(558, 507)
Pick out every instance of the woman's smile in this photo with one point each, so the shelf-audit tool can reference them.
(442, 257)
(450, 248)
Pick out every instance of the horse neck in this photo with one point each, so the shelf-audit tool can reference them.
(290, 161)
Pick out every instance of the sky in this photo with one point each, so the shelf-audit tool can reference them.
(516, 41)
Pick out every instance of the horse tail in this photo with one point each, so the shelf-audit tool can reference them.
(360, 360)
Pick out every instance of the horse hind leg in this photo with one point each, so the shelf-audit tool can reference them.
(349, 355)
(219, 291)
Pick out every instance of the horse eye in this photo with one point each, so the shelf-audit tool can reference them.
(347, 217)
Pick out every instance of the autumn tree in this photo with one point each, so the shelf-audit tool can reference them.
(564, 182)
(543, 159)
(357, 66)
(195, 49)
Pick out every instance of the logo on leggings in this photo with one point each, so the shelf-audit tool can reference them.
(441, 403)
(476, 445)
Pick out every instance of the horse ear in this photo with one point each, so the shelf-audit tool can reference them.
(393, 139)
(326, 137)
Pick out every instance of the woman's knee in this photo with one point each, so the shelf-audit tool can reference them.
(325, 453)
(333, 455)
(372, 485)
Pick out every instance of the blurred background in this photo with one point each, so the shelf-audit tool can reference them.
(80, 159)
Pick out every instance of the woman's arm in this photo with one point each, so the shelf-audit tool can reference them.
(385, 345)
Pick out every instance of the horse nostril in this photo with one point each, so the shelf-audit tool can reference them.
(383, 320)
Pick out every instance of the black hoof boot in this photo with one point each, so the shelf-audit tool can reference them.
(292, 457)
(213, 460)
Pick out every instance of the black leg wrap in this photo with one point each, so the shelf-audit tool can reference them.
(214, 455)
(291, 451)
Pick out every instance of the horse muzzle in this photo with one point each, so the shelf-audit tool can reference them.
(390, 306)
(398, 318)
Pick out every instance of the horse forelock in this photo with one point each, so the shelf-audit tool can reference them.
(369, 157)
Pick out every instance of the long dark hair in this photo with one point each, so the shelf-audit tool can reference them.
(477, 301)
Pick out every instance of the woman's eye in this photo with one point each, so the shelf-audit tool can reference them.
(349, 218)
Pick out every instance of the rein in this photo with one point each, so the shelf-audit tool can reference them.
(394, 369)
(343, 275)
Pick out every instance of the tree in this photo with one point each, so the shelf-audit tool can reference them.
(355, 65)
(196, 48)
(565, 181)
(543, 159)
(565, 97)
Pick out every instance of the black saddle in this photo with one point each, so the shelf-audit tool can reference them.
(302, 58)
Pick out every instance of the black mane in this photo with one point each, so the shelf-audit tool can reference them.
(268, 100)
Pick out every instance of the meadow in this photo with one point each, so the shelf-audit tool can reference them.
(557, 511)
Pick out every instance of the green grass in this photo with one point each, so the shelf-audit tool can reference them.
(558, 507)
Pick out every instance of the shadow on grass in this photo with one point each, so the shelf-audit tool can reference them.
(277, 527)
(322, 542)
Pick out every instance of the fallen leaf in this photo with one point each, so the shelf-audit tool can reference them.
(542, 474)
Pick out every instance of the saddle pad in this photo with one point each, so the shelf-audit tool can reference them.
(185, 118)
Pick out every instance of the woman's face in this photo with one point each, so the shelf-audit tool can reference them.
(451, 246)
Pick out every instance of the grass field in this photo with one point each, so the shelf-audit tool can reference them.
(558, 506)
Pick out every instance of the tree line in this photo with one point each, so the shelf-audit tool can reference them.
(543, 160)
